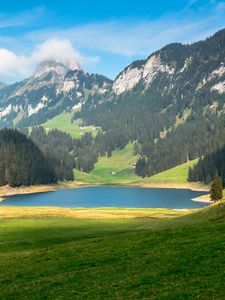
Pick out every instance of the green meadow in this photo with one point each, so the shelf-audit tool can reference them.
(63, 123)
(49, 253)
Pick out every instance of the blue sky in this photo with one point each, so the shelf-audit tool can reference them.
(102, 36)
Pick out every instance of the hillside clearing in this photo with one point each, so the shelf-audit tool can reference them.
(63, 123)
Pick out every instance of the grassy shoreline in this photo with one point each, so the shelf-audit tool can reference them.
(11, 212)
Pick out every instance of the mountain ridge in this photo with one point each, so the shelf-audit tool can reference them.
(55, 78)
(171, 104)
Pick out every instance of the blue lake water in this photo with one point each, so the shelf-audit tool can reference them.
(110, 196)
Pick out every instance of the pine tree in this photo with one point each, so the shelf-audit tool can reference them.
(216, 191)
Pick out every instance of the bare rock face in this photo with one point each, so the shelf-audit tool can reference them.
(146, 72)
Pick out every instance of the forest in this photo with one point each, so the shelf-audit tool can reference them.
(63, 152)
(22, 162)
(208, 167)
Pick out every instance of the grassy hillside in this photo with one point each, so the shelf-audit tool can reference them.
(178, 174)
(115, 169)
(48, 255)
(63, 122)
(119, 169)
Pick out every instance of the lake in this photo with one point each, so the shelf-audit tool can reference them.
(110, 196)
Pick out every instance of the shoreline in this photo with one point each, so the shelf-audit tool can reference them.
(203, 199)
(197, 187)
(7, 191)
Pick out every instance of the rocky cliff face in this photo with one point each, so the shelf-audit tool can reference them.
(144, 73)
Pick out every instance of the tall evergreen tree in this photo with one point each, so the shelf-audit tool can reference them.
(216, 191)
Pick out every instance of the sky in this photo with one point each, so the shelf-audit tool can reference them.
(101, 36)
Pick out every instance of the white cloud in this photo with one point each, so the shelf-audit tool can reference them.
(13, 66)
(59, 50)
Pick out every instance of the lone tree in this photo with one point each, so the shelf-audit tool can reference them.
(216, 191)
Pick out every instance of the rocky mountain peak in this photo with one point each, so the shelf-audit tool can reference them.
(52, 66)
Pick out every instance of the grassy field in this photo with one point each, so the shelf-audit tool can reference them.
(63, 122)
(45, 254)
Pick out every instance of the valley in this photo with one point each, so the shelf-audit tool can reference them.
(112, 187)
(170, 116)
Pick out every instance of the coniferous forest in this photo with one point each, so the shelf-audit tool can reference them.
(22, 162)
(208, 167)
(65, 153)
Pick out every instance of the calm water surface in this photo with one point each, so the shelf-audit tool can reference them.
(110, 196)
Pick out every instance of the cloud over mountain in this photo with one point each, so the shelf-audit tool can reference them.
(13, 66)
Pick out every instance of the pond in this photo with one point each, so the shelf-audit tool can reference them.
(110, 196)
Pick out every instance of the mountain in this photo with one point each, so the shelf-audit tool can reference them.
(52, 89)
(171, 104)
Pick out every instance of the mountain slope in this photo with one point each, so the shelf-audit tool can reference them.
(172, 103)
(52, 89)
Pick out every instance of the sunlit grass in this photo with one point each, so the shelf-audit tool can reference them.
(47, 254)
(63, 122)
